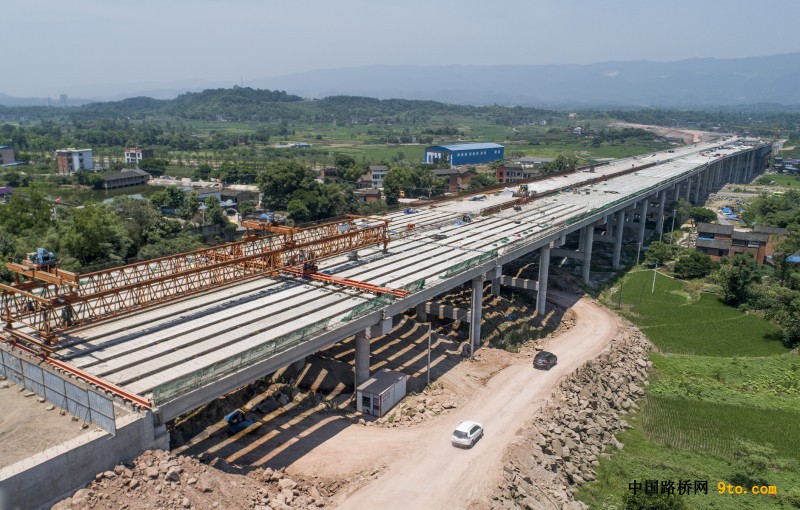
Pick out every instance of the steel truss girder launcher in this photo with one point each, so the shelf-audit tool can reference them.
(52, 301)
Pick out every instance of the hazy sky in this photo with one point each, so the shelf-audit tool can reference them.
(81, 46)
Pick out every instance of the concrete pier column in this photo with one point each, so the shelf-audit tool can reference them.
(362, 355)
(588, 237)
(662, 200)
(752, 172)
(738, 172)
(422, 314)
(618, 239)
(476, 313)
(496, 281)
(544, 271)
(697, 190)
(688, 188)
(676, 193)
(643, 220)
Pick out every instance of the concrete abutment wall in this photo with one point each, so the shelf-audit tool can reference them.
(47, 477)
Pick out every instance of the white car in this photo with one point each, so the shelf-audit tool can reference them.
(467, 434)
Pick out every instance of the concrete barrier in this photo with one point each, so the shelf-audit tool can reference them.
(49, 476)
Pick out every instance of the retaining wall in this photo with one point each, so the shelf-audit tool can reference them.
(44, 478)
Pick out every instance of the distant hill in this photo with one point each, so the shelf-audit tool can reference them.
(695, 83)
(687, 83)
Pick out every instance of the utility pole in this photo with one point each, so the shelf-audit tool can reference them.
(672, 231)
(654, 278)
(429, 355)
(638, 250)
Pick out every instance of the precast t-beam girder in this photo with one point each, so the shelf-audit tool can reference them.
(51, 307)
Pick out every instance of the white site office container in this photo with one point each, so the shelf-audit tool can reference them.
(378, 394)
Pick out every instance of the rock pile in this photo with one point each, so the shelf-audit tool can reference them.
(562, 445)
(157, 479)
(414, 409)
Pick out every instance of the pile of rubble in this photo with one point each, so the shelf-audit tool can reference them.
(157, 479)
(561, 447)
(431, 402)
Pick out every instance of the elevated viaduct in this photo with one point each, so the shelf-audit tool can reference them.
(182, 354)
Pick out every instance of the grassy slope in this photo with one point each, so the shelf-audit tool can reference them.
(738, 383)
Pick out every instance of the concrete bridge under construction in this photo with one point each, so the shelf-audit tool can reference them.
(184, 353)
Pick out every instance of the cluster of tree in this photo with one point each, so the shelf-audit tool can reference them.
(292, 187)
(154, 166)
(689, 263)
(619, 136)
(774, 210)
(562, 163)
(91, 235)
(413, 181)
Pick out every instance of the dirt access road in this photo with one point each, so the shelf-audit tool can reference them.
(418, 468)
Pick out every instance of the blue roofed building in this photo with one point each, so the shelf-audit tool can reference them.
(464, 153)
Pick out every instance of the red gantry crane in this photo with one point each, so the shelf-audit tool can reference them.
(49, 300)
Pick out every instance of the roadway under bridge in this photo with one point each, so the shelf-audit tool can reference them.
(185, 353)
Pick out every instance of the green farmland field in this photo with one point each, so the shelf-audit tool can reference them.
(722, 377)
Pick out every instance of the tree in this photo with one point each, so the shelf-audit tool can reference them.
(246, 208)
(347, 169)
(154, 166)
(94, 234)
(785, 270)
(659, 253)
(702, 215)
(29, 216)
(397, 179)
(734, 275)
(203, 172)
(143, 222)
(562, 163)
(192, 205)
(280, 180)
(779, 304)
(164, 247)
(693, 264)
(214, 213)
(481, 180)
(644, 501)
(683, 208)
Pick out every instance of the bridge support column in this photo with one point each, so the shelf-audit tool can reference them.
(362, 355)
(752, 172)
(662, 200)
(587, 234)
(476, 314)
(611, 226)
(544, 272)
(739, 164)
(618, 240)
(688, 188)
(496, 281)
(697, 190)
(642, 221)
(422, 314)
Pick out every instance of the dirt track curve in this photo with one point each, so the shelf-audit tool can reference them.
(418, 468)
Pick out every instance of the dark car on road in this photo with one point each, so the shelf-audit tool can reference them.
(545, 360)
